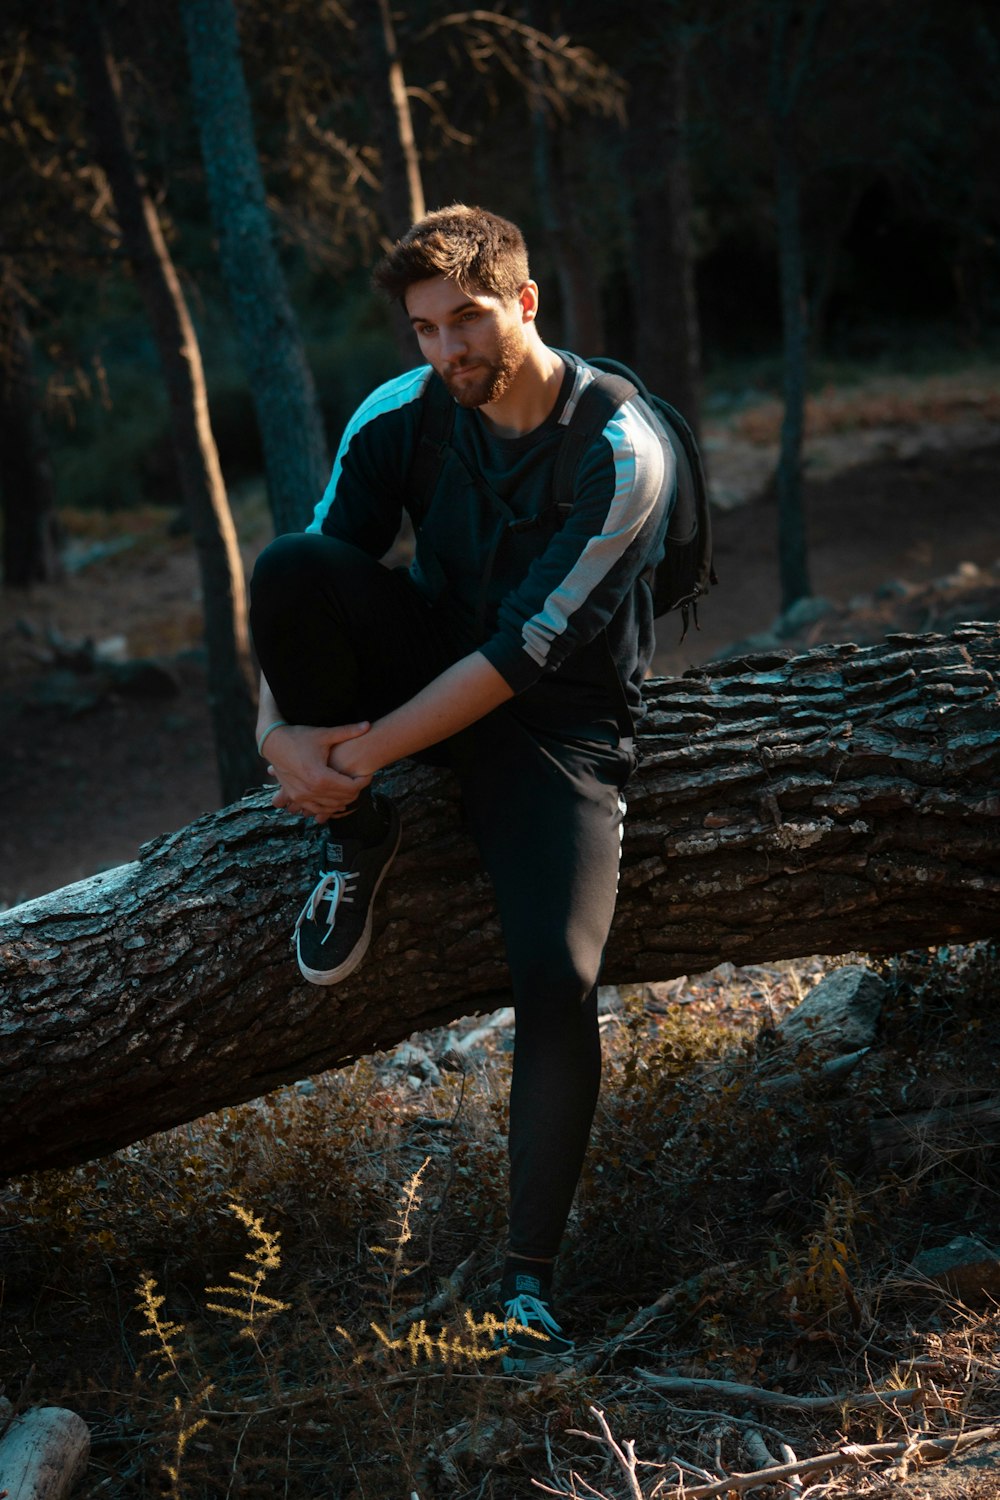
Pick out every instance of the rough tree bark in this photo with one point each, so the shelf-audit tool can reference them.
(843, 798)
(44, 1453)
(281, 383)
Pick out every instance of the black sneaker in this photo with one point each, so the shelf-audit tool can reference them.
(532, 1341)
(334, 927)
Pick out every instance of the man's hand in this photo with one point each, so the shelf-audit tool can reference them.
(321, 771)
(301, 765)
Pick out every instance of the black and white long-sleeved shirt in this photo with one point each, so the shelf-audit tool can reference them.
(561, 602)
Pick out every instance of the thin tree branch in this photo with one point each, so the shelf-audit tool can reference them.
(922, 1450)
(732, 1390)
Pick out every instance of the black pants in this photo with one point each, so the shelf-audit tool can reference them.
(341, 638)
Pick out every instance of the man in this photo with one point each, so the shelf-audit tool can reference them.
(514, 649)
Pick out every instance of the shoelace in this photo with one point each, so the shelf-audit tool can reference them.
(332, 886)
(528, 1311)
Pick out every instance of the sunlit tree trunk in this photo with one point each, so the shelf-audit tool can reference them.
(402, 182)
(231, 688)
(401, 198)
(281, 384)
(27, 493)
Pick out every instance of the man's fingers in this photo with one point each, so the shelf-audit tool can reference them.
(344, 732)
(320, 808)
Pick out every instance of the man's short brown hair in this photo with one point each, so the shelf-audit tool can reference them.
(478, 250)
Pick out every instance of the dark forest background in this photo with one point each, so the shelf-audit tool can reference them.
(765, 206)
(736, 198)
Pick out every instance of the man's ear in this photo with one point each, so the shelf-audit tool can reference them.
(528, 299)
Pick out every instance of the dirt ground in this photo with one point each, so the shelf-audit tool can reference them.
(899, 491)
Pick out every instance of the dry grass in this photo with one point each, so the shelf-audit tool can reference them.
(888, 403)
(245, 1306)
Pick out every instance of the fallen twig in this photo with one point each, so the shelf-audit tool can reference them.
(921, 1449)
(724, 1416)
(625, 1456)
(598, 1358)
(791, 1457)
(448, 1294)
(758, 1450)
(624, 1453)
(684, 1384)
(834, 1071)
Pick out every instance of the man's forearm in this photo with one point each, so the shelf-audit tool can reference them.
(268, 711)
(466, 692)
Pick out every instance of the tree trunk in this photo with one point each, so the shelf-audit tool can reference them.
(231, 686)
(402, 182)
(281, 384)
(668, 335)
(845, 798)
(579, 284)
(787, 79)
(793, 564)
(401, 196)
(30, 524)
(43, 1454)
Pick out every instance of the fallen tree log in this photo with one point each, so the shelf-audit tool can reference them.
(946, 1130)
(845, 798)
(44, 1454)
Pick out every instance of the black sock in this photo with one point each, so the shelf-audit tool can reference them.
(522, 1276)
(366, 821)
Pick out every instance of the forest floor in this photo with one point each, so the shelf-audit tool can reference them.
(771, 1234)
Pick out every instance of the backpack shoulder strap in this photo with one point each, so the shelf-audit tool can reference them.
(595, 408)
(437, 418)
(686, 571)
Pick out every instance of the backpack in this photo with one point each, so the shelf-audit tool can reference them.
(686, 570)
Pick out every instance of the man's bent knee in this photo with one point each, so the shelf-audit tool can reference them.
(291, 561)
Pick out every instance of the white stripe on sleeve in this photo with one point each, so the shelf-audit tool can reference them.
(641, 461)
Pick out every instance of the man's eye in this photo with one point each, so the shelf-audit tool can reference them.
(427, 329)
(469, 317)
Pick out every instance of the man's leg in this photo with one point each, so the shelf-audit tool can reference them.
(547, 815)
(339, 639)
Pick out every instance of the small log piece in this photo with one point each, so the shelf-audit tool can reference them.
(43, 1454)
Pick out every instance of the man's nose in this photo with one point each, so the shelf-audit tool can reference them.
(453, 343)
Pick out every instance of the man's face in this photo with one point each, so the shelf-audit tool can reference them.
(475, 342)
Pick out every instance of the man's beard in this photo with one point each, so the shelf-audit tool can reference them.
(490, 379)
